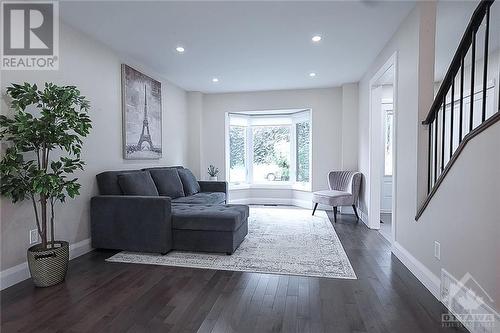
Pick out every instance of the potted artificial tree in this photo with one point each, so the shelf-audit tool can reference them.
(44, 141)
(213, 172)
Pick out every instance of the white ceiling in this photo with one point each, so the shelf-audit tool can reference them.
(249, 46)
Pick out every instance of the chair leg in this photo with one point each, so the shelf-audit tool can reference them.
(315, 206)
(335, 214)
(355, 212)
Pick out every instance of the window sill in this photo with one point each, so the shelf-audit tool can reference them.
(289, 186)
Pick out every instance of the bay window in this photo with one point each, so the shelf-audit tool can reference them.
(269, 148)
(237, 144)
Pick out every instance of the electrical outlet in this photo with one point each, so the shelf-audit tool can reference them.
(33, 236)
(437, 250)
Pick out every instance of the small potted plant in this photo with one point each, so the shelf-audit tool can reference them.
(44, 142)
(213, 172)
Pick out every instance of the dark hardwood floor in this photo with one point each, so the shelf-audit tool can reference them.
(98, 296)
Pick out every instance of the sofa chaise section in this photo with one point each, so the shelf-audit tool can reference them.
(209, 228)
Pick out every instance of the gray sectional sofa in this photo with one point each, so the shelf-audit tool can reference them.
(162, 209)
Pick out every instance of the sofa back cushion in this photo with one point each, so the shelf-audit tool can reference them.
(167, 182)
(163, 167)
(107, 182)
(189, 182)
(137, 183)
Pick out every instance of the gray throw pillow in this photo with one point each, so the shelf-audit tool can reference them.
(137, 183)
(167, 182)
(189, 182)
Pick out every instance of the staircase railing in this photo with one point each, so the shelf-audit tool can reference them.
(450, 111)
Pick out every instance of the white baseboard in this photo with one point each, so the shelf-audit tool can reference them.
(13, 275)
(273, 201)
(281, 202)
(80, 248)
(421, 272)
(262, 201)
(302, 203)
(18, 273)
(363, 217)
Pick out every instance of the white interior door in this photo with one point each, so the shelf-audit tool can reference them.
(387, 132)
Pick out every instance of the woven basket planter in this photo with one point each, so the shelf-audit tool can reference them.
(48, 266)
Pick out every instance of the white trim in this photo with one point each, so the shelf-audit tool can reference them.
(421, 272)
(13, 275)
(263, 201)
(18, 273)
(256, 120)
(303, 187)
(283, 202)
(302, 203)
(363, 217)
(372, 220)
(80, 248)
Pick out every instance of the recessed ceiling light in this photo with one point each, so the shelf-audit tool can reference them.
(180, 49)
(215, 80)
(316, 38)
(312, 74)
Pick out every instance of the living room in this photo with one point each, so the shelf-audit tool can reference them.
(230, 168)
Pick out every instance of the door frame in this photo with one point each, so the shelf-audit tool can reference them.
(375, 158)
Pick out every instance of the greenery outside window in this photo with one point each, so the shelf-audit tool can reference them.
(269, 149)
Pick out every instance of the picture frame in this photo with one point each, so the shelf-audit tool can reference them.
(141, 114)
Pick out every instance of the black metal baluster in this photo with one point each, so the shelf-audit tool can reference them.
(451, 115)
(442, 134)
(436, 122)
(460, 129)
(429, 179)
(485, 70)
(472, 74)
(435, 146)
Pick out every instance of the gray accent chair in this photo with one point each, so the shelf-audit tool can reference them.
(344, 191)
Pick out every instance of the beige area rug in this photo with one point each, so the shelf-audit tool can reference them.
(280, 240)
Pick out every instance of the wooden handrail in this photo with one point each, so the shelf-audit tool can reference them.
(463, 47)
(487, 123)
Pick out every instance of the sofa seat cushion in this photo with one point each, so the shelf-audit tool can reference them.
(189, 182)
(167, 182)
(333, 198)
(209, 217)
(202, 198)
(137, 183)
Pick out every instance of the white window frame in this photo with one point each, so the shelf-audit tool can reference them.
(250, 121)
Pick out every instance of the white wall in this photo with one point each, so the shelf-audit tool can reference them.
(95, 70)
(468, 236)
(327, 130)
(194, 108)
(464, 217)
(350, 121)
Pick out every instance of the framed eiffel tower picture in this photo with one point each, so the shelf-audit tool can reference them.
(141, 104)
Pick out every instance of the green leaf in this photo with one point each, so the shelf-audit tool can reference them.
(43, 119)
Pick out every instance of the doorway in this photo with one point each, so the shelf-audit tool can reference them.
(382, 182)
(387, 114)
